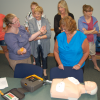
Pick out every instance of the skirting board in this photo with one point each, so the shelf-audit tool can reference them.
(50, 54)
(97, 57)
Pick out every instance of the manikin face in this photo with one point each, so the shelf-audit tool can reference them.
(89, 85)
(61, 9)
(32, 8)
(38, 15)
(15, 22)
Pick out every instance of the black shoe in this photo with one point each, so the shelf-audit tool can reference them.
(46, 77)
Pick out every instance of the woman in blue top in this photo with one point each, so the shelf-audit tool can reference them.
(17, 40)
(71, 46)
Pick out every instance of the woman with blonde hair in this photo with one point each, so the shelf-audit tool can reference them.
(88, 24)
(29, 16)
(62, 12)
(17, 40)
(41, 45)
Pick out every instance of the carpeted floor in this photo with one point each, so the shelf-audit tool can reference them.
(90, 74)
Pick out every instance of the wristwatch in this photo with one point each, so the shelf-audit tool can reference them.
(41, 37)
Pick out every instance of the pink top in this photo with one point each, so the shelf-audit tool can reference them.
(90, 37)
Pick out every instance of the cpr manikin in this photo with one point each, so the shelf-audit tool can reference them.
(70, 88)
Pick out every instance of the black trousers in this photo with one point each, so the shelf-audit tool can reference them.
(40, 58)
(83, 68)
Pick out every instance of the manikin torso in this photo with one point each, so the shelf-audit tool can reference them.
(67, 88)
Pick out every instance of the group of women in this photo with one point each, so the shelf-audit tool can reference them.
(71, 48)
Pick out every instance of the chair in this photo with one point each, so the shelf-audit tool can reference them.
(22, 70)
(67, 72)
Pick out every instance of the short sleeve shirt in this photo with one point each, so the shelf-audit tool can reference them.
(2, 34)
(71, 53)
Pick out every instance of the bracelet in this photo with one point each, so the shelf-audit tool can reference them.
(40, 31)
(79, 65)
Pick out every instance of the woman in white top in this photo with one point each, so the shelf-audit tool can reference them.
(29, 16)
(41, 45)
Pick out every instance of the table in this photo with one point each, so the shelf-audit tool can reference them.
(42, 93)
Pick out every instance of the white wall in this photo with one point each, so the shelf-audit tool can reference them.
(22, 7)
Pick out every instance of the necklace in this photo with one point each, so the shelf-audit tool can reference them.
(70, 35)
(39, 24)
(19, 34)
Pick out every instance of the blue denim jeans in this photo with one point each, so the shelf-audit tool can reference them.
(2, 43)
(40, 58)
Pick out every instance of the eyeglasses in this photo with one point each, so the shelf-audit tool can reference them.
(16, 21)
(62, 29)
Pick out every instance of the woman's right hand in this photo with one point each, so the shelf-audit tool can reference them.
(22, 51)
(94, 29)
(61, 66)
(43, 30)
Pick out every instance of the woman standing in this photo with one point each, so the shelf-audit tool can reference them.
(29, 16)
(41, 45)
(62, 12)
(88, 24)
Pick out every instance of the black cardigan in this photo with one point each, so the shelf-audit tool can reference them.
(57, 19)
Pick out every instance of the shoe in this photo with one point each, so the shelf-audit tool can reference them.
(98, 69)
(46, 77)
(34, 63)
(41, 66)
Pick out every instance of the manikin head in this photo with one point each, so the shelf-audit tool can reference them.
(91, 87)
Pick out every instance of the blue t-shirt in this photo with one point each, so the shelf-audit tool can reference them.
(71, 53)
(16, 41)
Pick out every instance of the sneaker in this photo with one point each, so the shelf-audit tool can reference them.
(34, 63)
(41, 66)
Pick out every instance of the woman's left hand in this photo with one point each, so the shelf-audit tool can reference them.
(61, 66)
(76, 67)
